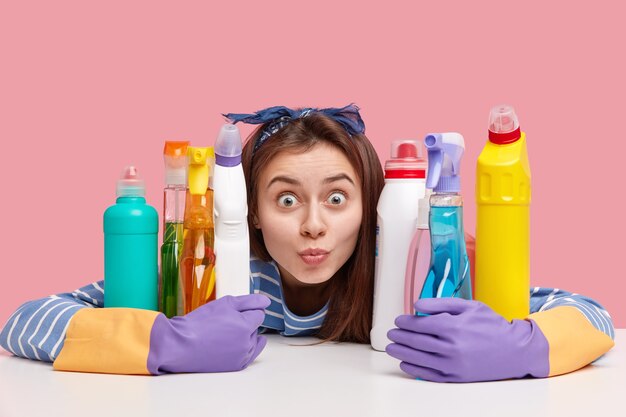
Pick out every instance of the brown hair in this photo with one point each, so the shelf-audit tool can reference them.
(349, 317)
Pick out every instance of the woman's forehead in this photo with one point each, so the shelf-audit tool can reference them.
(320, 159)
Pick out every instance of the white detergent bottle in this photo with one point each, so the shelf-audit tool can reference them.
(230, 212)
(397, 209)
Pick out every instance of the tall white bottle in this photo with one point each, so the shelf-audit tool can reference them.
(398, 206)
(230, 212)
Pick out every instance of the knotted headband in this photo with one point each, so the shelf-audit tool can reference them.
(279, 116)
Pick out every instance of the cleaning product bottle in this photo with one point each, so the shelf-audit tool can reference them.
(131, 247)
(197, 274)
(230, 213)
(418, 261)
(449, 272)
(175, 158)
(503, 218)
(397, 211)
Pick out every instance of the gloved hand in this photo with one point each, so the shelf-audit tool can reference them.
(219, 336)
(466, 341)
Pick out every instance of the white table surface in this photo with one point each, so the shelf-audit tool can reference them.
(299, 381)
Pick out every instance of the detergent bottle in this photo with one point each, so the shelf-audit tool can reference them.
(175, 158)
(397, 212)
(449, 272)
(503, 217)
(230, 214)
(131, 246)
(197, 262)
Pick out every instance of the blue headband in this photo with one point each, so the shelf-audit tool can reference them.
(279, 116)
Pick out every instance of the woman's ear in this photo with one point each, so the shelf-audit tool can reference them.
(255, 222)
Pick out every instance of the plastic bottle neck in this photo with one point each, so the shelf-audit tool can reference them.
(130, 200)
(450, 199)
(405, 174)
(505, 138)
(176, 187)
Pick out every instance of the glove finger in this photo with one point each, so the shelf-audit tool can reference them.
(254, 318)
(413, 356)
(419, 341)
(261, 341)
(452, 305)
(421, 372)
(250, 302)
(434, 325)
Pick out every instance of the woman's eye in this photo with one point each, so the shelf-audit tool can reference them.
(337, 199)
(287, 200)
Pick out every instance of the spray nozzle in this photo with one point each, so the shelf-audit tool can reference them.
(199, 162)
(175, 156)
(228, 146)
(130, 184)
(445, 151)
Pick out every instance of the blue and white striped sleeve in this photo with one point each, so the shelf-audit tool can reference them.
(36, 330)
(542, 299)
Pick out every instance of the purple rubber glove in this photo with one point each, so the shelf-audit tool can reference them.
(220, 336)
(466, 341)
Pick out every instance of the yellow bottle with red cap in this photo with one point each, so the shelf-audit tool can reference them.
(503, 191)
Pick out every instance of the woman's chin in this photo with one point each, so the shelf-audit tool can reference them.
(314, 275)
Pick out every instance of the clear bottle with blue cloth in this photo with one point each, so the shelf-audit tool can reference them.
(449, 272)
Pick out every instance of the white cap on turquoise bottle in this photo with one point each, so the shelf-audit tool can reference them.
(130, 184)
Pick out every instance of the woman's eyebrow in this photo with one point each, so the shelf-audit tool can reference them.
(283, 178)
(338, 177)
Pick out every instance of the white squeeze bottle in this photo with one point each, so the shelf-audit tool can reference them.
(405, 185)
(230, 212)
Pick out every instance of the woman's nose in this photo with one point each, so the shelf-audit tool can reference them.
(313, 224)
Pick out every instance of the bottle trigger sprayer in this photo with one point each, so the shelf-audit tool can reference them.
(449, 272)
(175, 159)
(230, 213)
(197, 260)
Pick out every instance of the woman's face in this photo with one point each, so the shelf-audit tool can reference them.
(309, 211)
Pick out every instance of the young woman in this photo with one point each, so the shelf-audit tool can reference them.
(313, 183)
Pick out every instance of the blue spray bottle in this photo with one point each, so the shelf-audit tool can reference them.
(449, 272)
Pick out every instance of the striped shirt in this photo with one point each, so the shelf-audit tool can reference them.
(542, 299)
(37, 329)
(266, 281)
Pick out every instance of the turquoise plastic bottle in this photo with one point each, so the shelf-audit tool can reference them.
(131, 247)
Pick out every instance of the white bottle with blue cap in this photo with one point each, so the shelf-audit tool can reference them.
(449, 272)
(230, 212)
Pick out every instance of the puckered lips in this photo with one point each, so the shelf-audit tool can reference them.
(314, 256)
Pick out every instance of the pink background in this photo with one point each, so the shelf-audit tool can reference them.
(86, 89)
